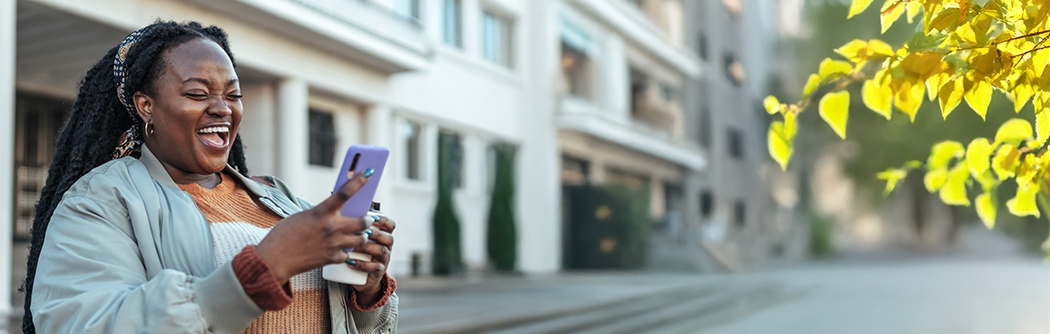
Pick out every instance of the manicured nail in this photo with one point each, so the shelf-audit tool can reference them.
(351, 262)
(368, 233)
(368, 172)
(375, 219)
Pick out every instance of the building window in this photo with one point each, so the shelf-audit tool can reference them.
(736, 144)
(496, 44)
(456, 159)
(574, 171)
(702, 47)
(452, 24)
(576, 71)
(739, 212)
(412, 137)
(322, 138)
(734, 70)
(707, 203)
(407, 8)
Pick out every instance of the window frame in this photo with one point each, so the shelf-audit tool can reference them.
(320, 137)
(503, 53)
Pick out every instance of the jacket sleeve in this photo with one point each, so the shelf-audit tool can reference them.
(381, 320)
(91, 279)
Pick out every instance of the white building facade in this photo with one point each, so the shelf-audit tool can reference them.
(318, 76)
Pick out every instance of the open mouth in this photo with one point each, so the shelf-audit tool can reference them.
(215, 136)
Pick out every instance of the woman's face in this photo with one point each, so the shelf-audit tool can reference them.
(195, 110)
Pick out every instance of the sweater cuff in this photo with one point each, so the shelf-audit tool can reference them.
(259, 282)
(388, 285)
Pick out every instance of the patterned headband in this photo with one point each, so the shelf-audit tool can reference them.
(129, 141)
(120, 70)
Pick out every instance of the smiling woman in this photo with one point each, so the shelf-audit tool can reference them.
(149, 221)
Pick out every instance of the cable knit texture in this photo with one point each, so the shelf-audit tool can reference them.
(238, 221)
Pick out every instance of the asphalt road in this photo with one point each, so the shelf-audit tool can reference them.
(928, 294)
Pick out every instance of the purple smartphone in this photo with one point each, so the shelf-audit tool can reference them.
(358, 159)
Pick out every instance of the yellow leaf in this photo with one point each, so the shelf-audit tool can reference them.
(891, 11)
(944, 20)
(1022, 93)
(979, 97)
(966, 33)
(913, 9)
(942, 154)
(857, 7)
(1042, 126)
(790, 125)
(978, 156)
(951, 94)
(856, 51)
(779, 147)
(1013, 131)
(811, 85)
(1005, 161)
(877, 47)
(986, 209)
(834, 109)
(878, 99)
(772, 104)
(830, 69)
(909, 97)
(1024, 202)
(1027, 170)
(934, 84)
(893, 177)
(934, 179)
(954, 190)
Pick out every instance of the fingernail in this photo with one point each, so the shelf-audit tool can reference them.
(375, 219)
(368, 172)
(368, 233)
(351, 262)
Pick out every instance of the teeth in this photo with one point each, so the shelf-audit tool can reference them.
(214, 129)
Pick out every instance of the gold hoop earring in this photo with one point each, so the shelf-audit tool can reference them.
(149, 130)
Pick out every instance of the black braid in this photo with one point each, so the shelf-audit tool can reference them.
(98, 119)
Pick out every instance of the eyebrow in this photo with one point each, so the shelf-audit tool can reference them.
(207, 82)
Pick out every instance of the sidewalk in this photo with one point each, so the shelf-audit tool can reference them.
(557, 302)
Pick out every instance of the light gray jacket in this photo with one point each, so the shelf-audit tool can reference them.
(127, 251)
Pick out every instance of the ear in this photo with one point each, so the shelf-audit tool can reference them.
(144, 106)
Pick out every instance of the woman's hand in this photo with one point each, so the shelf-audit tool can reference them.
(315, 237)
(381, 242)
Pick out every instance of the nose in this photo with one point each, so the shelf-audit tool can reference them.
(220, 108)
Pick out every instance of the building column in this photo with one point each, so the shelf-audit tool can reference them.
(7, 147)
(380, 130)
(293, 140)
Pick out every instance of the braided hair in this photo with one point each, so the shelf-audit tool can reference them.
(98, 119)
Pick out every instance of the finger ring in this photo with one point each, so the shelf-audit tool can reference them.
(368, 233)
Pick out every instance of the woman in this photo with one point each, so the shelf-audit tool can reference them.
(149, 223)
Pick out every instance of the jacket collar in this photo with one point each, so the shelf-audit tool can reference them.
(157, 172)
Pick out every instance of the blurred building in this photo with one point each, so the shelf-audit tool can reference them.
(592, 93)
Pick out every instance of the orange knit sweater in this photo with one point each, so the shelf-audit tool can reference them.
(237, 222)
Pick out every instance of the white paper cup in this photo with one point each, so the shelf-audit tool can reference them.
(342, 272)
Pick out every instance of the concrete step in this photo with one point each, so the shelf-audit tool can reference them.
(669, 318)
(581, 319)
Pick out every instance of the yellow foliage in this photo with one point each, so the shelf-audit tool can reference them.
(779, 145)
(978, 156)
(943, 153)
(891, 11)
(1013, 131)
(954, 190)
(772, 104)
(966, 50)
(878, 99)
(1023, 204)
(979, 97)
(834, 109)
(986, 209)
(857, 7)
